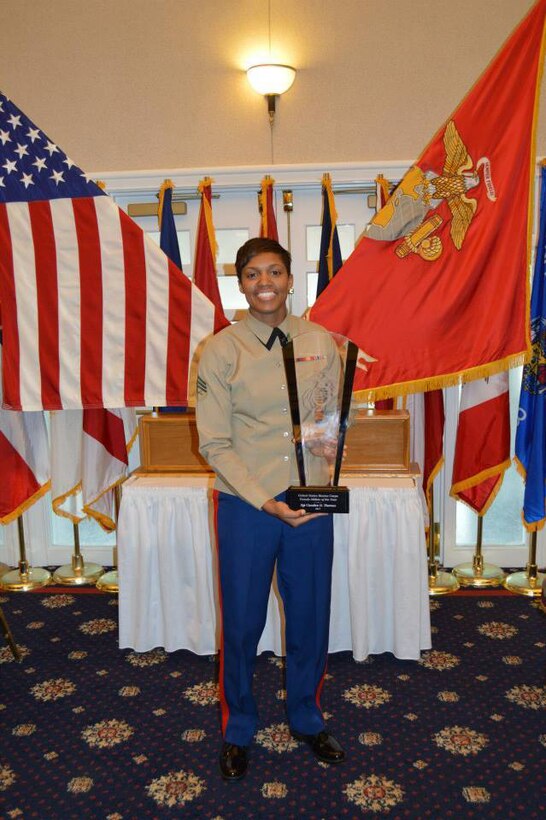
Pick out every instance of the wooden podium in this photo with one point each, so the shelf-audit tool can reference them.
(377, 443)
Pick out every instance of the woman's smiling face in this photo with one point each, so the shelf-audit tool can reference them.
(265, 283)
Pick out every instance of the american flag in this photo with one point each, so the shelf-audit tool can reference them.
(94, 313)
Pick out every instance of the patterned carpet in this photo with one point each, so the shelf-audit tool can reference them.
(92, 731)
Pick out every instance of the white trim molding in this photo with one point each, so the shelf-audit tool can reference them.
(248, 177)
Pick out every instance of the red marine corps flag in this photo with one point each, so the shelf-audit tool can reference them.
(437, 286)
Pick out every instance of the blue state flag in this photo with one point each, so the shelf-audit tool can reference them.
(168, 242)
(168, 239)
(330, 259)
(531, 429)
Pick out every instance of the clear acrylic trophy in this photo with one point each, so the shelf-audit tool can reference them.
(320, 370)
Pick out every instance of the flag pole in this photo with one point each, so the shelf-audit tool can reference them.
(528, 581)
(25, 577)
(439, 582)
(77, 572)
(109, 581)
(6, 632)
(477, 573)
(288, 207)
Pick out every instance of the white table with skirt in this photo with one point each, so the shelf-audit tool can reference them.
(167, 570)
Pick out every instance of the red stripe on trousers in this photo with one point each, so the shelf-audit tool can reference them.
(22, 483)
(135, 310)
(45, 256)
(107, 428)
(178, 340)
(224, 708)
(10, 344)
(320, 685)
(87, 232)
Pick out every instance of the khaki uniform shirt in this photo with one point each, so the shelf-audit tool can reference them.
(243, 410)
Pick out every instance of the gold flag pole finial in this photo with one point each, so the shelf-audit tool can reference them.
(167, 183)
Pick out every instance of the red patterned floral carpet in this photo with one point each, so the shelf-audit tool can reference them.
(92, 731)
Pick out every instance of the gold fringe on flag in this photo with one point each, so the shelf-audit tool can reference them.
(14, 514)
(447, 380)
(59, 500)
(433, 473)
(534, 526)
(468, 483)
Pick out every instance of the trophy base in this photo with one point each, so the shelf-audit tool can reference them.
(318, 499)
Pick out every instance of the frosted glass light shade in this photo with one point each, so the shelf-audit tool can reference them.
(271, 78)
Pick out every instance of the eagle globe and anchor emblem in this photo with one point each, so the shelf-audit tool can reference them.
(404, 216)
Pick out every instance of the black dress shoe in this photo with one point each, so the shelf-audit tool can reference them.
(233, 761)
(324, 745)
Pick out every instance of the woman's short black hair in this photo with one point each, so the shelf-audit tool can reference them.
(253, 247)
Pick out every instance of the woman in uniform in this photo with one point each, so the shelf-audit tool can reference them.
(243, 419)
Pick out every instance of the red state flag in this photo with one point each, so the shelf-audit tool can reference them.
(437, 286)
(482, 449)
(89, 457)
(24, 460)
(204, 269)
(268, 223)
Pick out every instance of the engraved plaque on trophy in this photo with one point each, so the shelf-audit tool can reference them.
(320, 370)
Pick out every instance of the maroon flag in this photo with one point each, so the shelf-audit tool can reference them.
(204, 269)
(268, 223)
(434, 438)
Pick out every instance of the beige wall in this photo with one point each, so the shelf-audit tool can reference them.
(149, 84)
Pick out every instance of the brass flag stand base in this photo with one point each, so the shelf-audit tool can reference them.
(477, 573)
(108, 582)
(440, 582)
(78, 572)
(25, 577)
(527, 582)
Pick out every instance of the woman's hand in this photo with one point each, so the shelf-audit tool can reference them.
(325, 448)
(294, 518)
